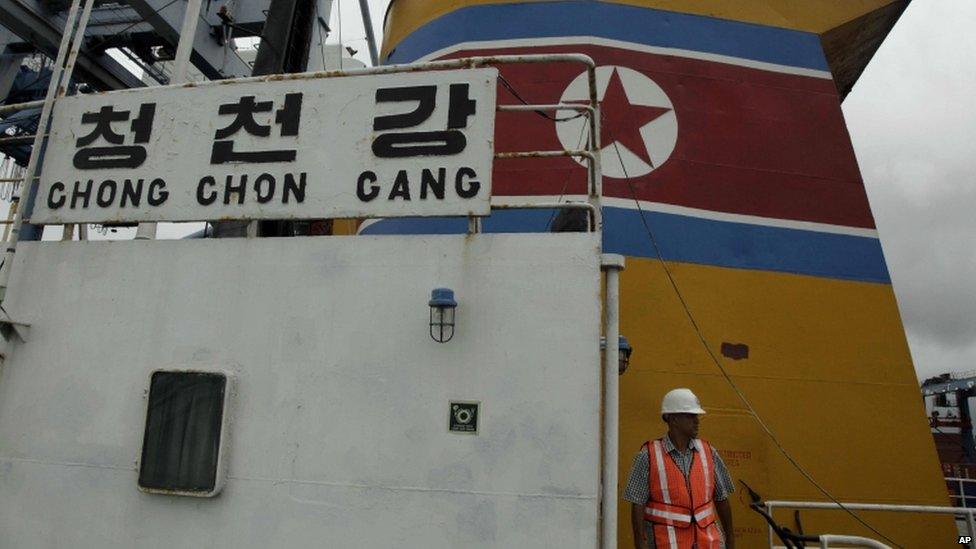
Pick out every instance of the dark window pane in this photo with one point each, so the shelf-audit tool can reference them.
(182, 439)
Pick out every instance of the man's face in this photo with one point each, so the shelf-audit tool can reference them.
(684, 424)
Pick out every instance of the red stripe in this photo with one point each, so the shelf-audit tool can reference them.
(749, 141)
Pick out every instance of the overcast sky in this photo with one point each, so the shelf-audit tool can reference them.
(912, 119)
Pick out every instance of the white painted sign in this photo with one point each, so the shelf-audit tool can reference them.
(411, 144)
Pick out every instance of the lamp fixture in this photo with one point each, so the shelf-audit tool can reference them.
(442, 306)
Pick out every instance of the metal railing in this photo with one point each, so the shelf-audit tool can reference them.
(830, 540)
(16, 107)
(591, 154)
(961, 495)
(966, 513)
(61, 72)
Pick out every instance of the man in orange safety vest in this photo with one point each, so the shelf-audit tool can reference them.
(679, 486)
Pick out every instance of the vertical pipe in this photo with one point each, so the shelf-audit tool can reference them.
(769, 528)
(972, 528)
(60, 75)
(370, 37)
(181, 70)
(596, 184)
(188, 32)
(611, 264)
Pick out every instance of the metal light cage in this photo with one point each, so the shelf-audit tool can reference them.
(442, 309)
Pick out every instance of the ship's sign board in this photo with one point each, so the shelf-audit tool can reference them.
(409, 144)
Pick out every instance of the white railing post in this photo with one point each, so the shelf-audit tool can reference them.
(611, 265)
(971, 528)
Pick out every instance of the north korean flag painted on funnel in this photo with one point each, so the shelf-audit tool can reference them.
(686, 132)
(725, 139)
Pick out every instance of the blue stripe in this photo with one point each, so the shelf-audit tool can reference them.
(692, 240)
(613, 21)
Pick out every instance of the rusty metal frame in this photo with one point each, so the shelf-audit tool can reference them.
(14, 107)
(591, 153)
(64, 65)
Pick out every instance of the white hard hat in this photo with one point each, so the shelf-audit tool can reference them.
(681, 401)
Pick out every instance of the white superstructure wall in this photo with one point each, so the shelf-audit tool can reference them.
(339, 418)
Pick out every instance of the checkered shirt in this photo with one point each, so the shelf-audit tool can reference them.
(637, 492)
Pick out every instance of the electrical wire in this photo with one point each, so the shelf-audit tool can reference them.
(728, 378)
(508, 86)
(562, 192)
(579, 143)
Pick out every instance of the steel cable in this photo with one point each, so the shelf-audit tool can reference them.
(728, 378)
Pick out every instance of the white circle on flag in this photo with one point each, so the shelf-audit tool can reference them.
(658, 136)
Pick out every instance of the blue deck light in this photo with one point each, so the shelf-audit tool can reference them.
(442, 306)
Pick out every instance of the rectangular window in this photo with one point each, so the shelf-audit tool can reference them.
(181, 449)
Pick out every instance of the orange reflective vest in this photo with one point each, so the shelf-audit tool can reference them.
(681, 508)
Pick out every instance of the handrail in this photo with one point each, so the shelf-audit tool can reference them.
(15, 107)
(857, 541)
(547, 107)
(968, 513)
(962, 495)
(591, 154)
(898, 508)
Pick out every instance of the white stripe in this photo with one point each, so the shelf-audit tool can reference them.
(703, 514)
(708, 490)
(647, 206)
(658, 50)
(666, 494)
(705, 469)
(658, 207)
(366, 223)
(662, 477)
(670, 515)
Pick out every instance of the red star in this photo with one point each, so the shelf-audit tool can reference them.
(622, 120)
